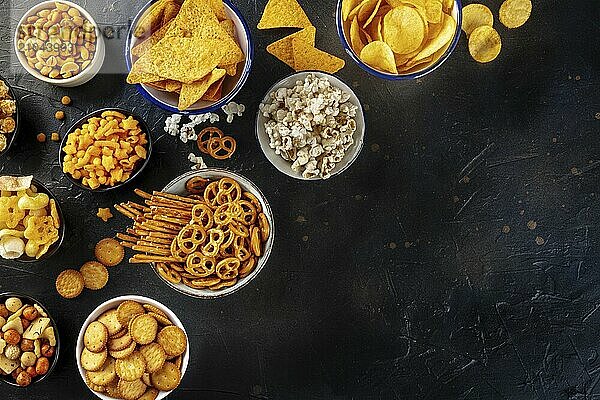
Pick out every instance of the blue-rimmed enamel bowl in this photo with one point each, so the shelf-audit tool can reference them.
(231, 86)
(342, 32)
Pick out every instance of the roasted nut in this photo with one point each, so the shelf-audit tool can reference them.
(28, 359)
(4, 311)
(59, 115)
(16, 373)
(30, 313)
(31, 371)
(23, 379)
(69, 69)
(27, 345)
(11, 336)
(2, 322)
(47, 350)
(25, 323)
(12, 352)
(42, 365)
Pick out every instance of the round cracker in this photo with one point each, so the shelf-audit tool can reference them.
(109, 252)
(514, 13)
(127, 310)
(484, 44)
(96, 388)
(131, 390)
(155, 356)
(151, 394)
(95, 275)
(167, 378)
(112, 390)
(95, 337)
(110, 320)
(474, 16)
(120, 343)
(69, 284)
(118, 354)
(146, 379)
(173, 340)
(143, 329)
(151, 308)
(161, 319)
(119, 334)
(93, 361)
(105, 375)
(131, 367)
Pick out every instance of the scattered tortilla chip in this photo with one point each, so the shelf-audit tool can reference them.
(283, 48)
(307, 57)
(14, 183)
(283, 14)
(231, 69)
(474, 16)
(191, 93)
(514, 13)
(484, 44)
(156, 37)
(151, 20)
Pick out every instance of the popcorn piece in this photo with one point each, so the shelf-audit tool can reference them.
(232, 109)
(198, 162)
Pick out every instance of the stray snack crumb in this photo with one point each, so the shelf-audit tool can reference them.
(392, 245)
(41, 137)
(539, 241)
(505, 229)
(66, 100)
(104, 214)
(55, 137)
(532, 225)
(60, 115)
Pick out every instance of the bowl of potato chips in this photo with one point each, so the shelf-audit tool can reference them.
(399, 39)
(105, 149)
(191, 56)
(31, 221)
(132, 347)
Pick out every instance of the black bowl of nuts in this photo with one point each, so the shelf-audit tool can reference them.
(9, 116)
(29, 342)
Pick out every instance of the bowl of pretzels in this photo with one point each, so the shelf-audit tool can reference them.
(207, 234)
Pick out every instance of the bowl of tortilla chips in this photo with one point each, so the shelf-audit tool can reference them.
(190, 56)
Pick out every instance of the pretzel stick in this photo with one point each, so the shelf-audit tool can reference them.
(153, 245)
(142, 194)
(178, 206)
(131, 209)
(134, 232)
(148, 258)
(170, 220)
(127, 238)
(153, 227)
(174, 197)
(152, 250)
(127, 244)
(170, 212)
(151, 239)
(161, 235)
(123, 211)
(137, 206)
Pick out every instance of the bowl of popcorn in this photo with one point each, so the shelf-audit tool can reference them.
(58, 42)
(9, 116)
(211, 36)
(132, 347)
(29, 342)
(311, 126)
(105, 149)
(31, 221)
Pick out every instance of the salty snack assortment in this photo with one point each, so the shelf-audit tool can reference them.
(8, 109)
(58, 41)
(28, 341)
(311, 125)
(399, 36)
(208, 240)
(105, 151)
(198, 32)
(133, 351)
(29, 219)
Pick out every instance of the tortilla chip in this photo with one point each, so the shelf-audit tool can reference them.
(283, 14)
(171, 11)
(159, 85)
(173, 86)
(230, 68)
(191, 93)
(137, 76)
(283, 49)
(156, 37)
(307, 57)
(215, 92)
(229, 27)
(219, 9)
(152, 19)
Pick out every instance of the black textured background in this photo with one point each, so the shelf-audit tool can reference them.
(395, 280)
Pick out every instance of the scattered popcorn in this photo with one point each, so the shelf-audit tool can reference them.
(187, 132)
(232, 109)
(197, 161)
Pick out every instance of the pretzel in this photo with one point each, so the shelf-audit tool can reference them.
(239, 229)
(253, 199)
(221, 148)
(167, 273)
(177, 252)
(265, 229)
(247, 213)
(215, 239)
(241, 250)
(190, 238)
(206, 135)
(202, 283)
(255, 242)
(203, 215)
(247, 268)
(227, 269)
(210, 194)
(196, 185)
(228, 191)
(199, 265)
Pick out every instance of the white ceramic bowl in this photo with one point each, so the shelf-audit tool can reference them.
(177, 186)
(285, 166)
(114, 303)
(85, 75)
(231, 87)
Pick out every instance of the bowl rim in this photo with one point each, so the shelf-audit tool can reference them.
(360, 140)
(263, 260)
(119, 299)
(36, 74)
(3, 378)
(215, 106)
(61, 231)
(398, 77)
(80, 122)
(16, 116)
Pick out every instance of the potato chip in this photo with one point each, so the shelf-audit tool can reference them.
(283, 48)
(379, 55)
(474, 16)
(448, 5)
(446, 34)
(514, 13)
(355, 39)
(348, 6)
(307, 57)
(191, 93)
(376, 28)
(484, 44)
(403, 29)
(367, 12)
(283, 14)
(433, 11)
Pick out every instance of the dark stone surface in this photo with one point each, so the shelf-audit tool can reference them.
(395, 280)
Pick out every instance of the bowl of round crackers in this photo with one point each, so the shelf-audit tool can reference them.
(211, 36)
(132, 347)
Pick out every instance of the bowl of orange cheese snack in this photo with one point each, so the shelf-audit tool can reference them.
(189, 56)
(132, 348)
(31, 221)
(105, 149)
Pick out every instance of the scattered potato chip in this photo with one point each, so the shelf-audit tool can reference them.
(379, 55)
(191, 93)
(474, 16)
(403, 29)
(283, 14)
(283, 48)
(307, 57)
(514, 13)
(484, 44)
